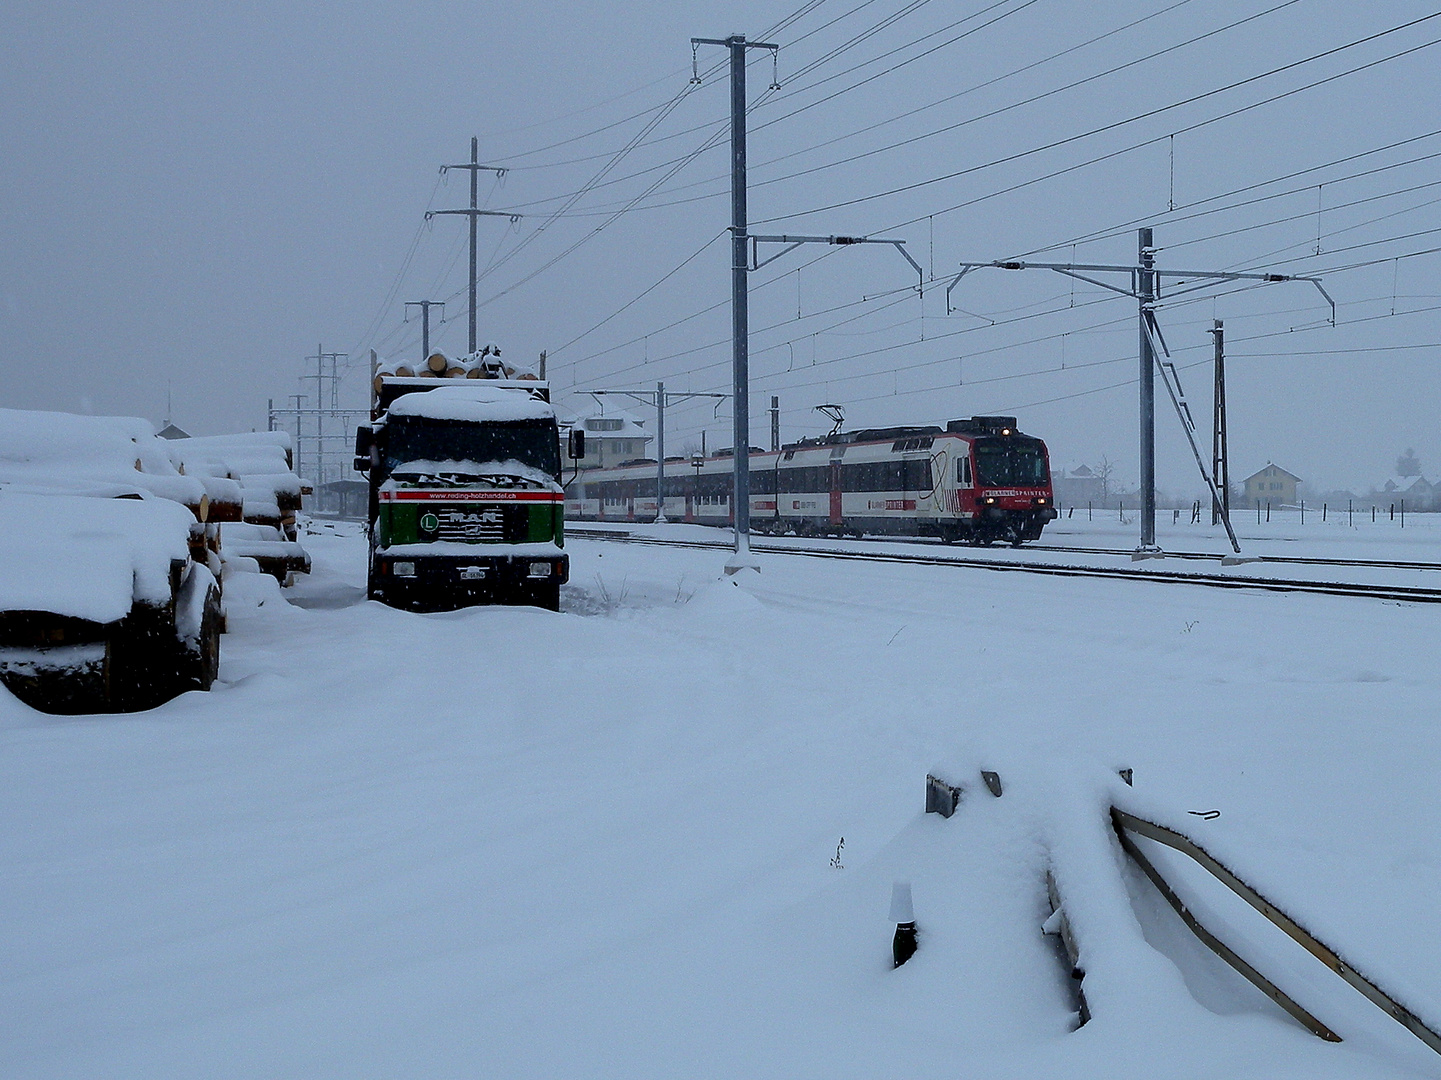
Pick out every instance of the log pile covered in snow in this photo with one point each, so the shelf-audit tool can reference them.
(111, 553)
(258, 462)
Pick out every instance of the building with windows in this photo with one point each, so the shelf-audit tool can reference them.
(1272, 484)
(1416, 492)
(612, 436)
(1079, 485)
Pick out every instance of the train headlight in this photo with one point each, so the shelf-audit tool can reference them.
(1041, 502)
(989, 500)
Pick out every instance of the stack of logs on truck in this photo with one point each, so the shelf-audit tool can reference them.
(113, 547)
(484, 363)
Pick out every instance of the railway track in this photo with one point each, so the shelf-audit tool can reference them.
(1397, 593)
(1206, 556)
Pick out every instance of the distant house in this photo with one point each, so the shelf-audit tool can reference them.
(170, 431)
(1272, 484)
(1417, 492)
(1078, 485)
(611, 436)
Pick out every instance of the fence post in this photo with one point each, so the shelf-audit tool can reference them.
(1268, 511)
(1323, 513)
(1403, 513)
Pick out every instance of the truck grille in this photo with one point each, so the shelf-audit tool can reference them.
(474, 525)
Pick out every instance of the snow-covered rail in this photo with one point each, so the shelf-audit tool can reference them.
(1374, 591)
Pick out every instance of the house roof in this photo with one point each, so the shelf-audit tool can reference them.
(1271, 465)
(1418, 484)
(631, 426)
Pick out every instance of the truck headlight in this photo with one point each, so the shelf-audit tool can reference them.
(540, 570)
(404, 569)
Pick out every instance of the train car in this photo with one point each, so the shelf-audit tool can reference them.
(977, 481)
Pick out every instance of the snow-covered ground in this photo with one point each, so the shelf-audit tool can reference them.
(607, 843)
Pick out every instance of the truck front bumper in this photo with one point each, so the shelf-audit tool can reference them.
(409, 577)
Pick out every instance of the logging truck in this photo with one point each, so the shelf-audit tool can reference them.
(466, 504)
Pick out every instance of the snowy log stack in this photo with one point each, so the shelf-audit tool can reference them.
(257, 532)
(109, 598)
(485, 363)
(258, 462)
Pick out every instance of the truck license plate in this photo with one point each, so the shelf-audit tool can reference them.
(472, 573)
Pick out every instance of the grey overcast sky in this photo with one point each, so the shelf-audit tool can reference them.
(195, 196)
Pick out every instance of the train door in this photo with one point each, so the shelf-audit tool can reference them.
(836, 507)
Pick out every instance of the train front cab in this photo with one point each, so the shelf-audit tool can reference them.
(1003, 483)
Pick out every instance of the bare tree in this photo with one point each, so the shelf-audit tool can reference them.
(1408, 464)
(1104, 472)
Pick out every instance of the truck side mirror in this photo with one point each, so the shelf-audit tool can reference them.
(364, 440)
(575, 449)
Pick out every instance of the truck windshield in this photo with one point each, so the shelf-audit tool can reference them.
(533, 443)
(1011, 462)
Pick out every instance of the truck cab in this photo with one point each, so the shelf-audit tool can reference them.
(466, 504)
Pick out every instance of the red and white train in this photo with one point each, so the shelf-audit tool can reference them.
(976, 481)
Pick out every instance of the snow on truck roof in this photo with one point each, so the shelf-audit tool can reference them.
(472, 401)
(85, 557)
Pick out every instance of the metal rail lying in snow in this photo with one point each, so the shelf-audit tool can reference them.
(1125, 823)
(1407, 593)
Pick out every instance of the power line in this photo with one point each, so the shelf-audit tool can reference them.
(1141, 116)
(796, 92)
(1027, 101)
(642, 295)
(1170, 218)
(852, 134)
(778, 27)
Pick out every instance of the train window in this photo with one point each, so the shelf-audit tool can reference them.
(963, 471)
(918, 475)
(915, 442)
(1011, 462)
(804, 481)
